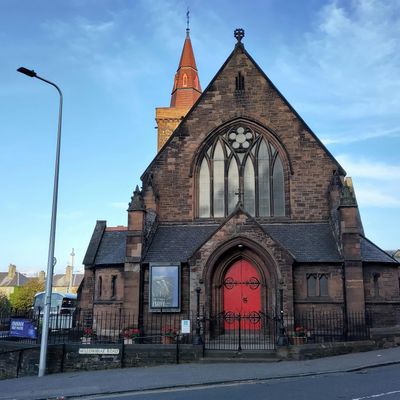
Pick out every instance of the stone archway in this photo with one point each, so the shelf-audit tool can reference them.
(241, 282)
(241, 250)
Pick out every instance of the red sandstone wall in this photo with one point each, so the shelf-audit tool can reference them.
(312, 167)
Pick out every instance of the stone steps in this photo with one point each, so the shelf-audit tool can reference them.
(221, 356)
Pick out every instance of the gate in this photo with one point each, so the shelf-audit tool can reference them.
(237, 331)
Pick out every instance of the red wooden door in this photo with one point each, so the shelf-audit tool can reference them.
(242, 296)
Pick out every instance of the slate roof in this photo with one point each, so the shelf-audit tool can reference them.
(307, 242)
(372, 253)
(17, 280)
(60, 280)
(112, 248)
(94, 243)
(177, 242)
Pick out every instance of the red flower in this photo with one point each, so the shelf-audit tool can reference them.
(170, 331)
(88, 332)
(300, 331)
(130, 333)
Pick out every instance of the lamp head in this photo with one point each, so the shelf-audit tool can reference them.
(26, 71)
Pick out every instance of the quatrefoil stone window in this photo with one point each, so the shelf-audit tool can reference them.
(240, 138)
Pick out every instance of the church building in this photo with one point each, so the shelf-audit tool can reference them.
(242, 210)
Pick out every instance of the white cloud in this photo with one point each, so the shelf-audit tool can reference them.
(350, 61)
(361, 135)
(374, 197)
(102, 48)
(377, 184)
(365, 168)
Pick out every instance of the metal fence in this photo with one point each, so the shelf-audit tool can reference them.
(225, 331)
(103, 327)
(320, 327)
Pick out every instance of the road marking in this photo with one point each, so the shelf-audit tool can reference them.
(374, 396)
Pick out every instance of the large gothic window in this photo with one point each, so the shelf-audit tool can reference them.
(239, 165)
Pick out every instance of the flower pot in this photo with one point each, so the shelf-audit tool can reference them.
(86, 340)
(167, 340)
(299, 340)
(128, 341)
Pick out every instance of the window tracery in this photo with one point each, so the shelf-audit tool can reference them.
(241, 166)
(317, 285)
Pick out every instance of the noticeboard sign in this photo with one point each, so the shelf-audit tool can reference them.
(23, 328)
(185, 326)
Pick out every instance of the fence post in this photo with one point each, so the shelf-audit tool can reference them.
(282, 338)
(240, 334)
(197, 339)
(120, 336)
(177, 347)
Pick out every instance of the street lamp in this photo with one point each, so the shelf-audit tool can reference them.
(50, 259)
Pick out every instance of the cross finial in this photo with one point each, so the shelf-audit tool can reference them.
(240, 194)
(187, 21)
(239, 34)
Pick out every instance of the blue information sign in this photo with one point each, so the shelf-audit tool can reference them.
(22, 328)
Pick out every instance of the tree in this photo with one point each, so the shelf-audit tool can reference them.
(22, 298)
(5, 305)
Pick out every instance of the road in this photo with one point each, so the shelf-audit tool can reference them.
(382, 383)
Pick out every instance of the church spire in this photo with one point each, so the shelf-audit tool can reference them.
(186, 88)
(184, 94)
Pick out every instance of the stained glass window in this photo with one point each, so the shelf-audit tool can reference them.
(219, 181)
(233, 184)
(204, 189)
(240, 167)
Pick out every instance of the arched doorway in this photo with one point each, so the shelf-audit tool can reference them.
(242, 296)
(241, 284)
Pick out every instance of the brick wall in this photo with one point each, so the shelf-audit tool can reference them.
(312, 167)
(331, 303)
(17, 360)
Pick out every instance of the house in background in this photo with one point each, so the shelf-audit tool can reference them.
(11, 279)
(68, 282)
(245, 207)
(395, 254)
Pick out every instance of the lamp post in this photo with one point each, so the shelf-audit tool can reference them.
(50, 260)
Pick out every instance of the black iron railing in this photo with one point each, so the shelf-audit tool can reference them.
(230, 331)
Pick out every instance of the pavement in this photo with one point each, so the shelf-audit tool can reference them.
(86, 383)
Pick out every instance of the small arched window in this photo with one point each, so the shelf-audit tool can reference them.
(100, 287)
(185, 80)
(323, 285)
(113, 286)
(317, 285)
(239, 165)
(312, 285)
(376, 277)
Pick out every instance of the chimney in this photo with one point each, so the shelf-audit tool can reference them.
(12, 270)
(42, 276)
(68, 274)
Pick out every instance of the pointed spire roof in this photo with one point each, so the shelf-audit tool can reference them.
(187, 87)
(137, 202)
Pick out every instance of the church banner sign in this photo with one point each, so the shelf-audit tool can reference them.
(164, 287)
(23, 328)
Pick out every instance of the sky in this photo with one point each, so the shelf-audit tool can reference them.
(336, 62)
